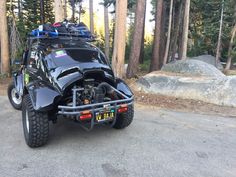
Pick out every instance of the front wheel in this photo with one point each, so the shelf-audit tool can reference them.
(125, 119)
(35, 124)
(14, 97)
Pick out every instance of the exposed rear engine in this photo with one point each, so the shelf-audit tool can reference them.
(92, 92)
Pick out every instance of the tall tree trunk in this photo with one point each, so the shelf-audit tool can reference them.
(184, 48)
(80, 11)
(155, 62)
(176, 32)
(107, 32)
(58, 10)
(91, 16)
(120, 38)
(180, 40)
(113, 32)
(65, 9)
(229, 60)
(0, 52)
(163, 34)
(19, 4)
(42, 20)
(137, 39)
(228, 64)
(141, 58)
(5, 60)
(169, 33)
(35, 11)
(73, 11)
(218, 49)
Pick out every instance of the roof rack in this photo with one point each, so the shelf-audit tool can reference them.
(63, 36)
(60, 30)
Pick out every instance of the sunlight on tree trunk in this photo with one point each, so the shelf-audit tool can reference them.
(120, 38)
(218, 49)
(184, 48)
(107, 32)
(169, 33)
(155, 62)
(58, 11)
(91, 16)
(5, 60)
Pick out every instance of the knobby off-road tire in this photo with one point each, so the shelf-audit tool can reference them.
(35, 124)
(124, 120)
(14, 98)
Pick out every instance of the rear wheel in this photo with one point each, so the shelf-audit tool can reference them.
(14, 97)
(35, 124)
(125, 119)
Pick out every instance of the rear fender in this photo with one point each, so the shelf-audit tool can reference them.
(43, 97)
(123, 87)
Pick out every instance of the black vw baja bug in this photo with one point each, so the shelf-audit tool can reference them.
(67, 76)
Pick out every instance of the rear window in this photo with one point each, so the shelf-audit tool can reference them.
(64, 57)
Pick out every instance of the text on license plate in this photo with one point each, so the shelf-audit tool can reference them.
(102, 116)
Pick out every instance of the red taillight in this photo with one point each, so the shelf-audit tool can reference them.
(85, 116)
(122, 109)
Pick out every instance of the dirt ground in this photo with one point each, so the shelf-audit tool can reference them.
(161, 101)
(183, 105)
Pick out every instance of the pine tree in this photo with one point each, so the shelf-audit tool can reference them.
(137, 39)
(48, 11)
(32, 15)
(184, 46)
(169, 33)
(5, 60)
(155, 62)
(120, 38)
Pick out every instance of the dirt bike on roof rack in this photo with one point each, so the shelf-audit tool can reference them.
(64, 76)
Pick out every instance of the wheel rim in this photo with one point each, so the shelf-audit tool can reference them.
(27, 120)
(16, 98)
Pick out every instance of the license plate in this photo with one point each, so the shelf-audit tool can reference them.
(104, 116)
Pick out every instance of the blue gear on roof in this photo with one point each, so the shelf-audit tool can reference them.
(64, 28)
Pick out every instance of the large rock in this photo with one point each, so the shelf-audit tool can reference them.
(192, 68)
(219, 91)
(208, 59)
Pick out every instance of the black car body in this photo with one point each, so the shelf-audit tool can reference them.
(69, 77)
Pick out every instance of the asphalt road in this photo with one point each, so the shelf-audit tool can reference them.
(158, 143)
